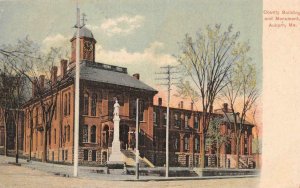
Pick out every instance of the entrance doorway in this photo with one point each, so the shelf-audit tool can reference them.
(187, 160)
(124, 129)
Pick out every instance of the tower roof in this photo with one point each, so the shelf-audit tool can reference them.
(84, 32)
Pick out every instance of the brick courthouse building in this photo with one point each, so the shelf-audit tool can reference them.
(99, 84)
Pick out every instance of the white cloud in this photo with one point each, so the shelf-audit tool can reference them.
(151, 55)
(57, 40)
(123, 25)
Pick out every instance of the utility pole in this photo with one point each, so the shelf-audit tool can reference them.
(137, 164)
(168, 71)
(77, 78)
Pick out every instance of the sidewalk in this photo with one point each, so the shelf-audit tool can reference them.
(90, 172)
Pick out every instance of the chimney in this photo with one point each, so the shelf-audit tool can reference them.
(181, 104)
(192, 106)
(54, 74)
(159, 101)
(34, 88)
(42, 82)
(63, 67)
(136, 76)
(225, 107)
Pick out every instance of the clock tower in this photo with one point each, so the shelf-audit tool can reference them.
(87, 46)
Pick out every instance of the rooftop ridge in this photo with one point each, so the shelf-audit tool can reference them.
(106, 67)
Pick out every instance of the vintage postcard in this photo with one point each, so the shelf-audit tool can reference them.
(148, 93)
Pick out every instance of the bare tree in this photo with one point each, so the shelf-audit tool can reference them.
(241, 93)
(11, 86)
(216, 137)
(206, 62)
(36, 67)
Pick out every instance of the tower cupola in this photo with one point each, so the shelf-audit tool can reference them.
(87, 45)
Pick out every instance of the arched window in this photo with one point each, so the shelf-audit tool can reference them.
(94, 104)
(69, 103)
(105, 136)
(68, 133)
(65, 134)
(93, 134)
(85, 132)
(86, 104)
(66, 105)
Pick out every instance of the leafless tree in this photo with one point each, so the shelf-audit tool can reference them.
(11, 85)
(206, 61)
(36, 67)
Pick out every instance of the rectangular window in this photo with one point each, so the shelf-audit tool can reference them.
(62, 155)
(165, 119)
(94, 155)
(132, 109)
(66, 155)
(196, 122)
(186, 143)
(111, 104)
(177, 120)
(246, 144)
(154, 119)
(85, 133)
(141, 110)
(186, 121)
(142, 138)
(85, 154)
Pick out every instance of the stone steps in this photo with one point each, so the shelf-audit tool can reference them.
(131, 155)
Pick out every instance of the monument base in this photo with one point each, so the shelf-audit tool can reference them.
(116, 167)
(115, 164)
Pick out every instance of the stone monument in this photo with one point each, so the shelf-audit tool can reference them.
(116, 156)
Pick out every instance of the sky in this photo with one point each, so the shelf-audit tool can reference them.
(141, 35)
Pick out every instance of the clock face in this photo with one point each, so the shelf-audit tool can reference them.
(88, 46)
